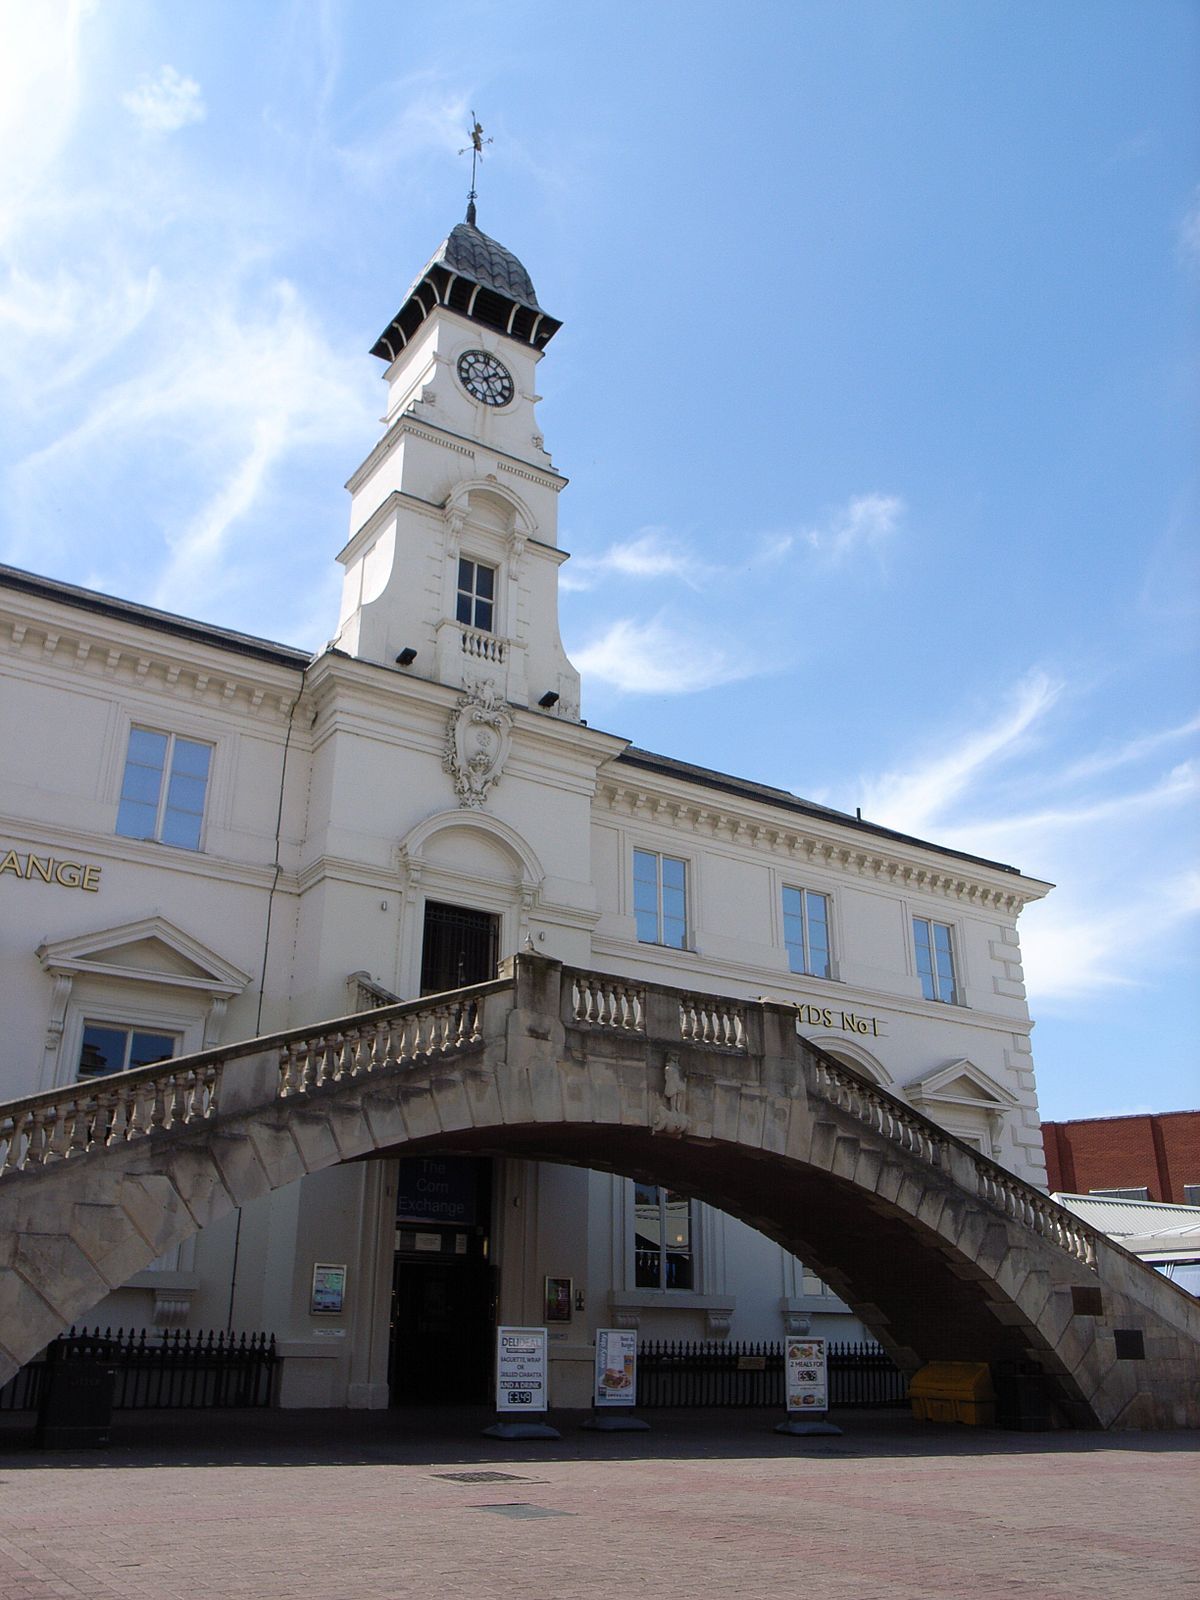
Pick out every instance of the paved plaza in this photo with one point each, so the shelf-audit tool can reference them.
(375, 1506)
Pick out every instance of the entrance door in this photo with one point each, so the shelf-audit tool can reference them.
(460, 946)
(444, 1283)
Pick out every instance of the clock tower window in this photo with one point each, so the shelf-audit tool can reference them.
(476, 595)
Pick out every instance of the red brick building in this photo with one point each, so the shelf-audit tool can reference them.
(1158, 1154)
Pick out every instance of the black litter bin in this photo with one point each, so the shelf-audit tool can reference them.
(1022, 1397)
(77, 1395)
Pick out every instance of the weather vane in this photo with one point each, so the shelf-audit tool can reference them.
(476, 148)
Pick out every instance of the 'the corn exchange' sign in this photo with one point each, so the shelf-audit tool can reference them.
(46, 869)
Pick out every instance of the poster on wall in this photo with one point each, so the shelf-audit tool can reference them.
(616, 1367)
(328, 1290)
(805, 1374)
(558, 1299)
(520, 1369)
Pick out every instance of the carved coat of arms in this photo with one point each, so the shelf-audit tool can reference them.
(478, 735)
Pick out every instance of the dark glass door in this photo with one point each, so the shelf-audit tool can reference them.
(442, 1332)
(444, 1282)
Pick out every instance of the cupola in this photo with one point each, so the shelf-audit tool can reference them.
(481, 280)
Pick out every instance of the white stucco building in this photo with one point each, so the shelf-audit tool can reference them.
(205, 836)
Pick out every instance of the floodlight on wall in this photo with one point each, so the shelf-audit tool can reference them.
(406, 657)
(550, 698)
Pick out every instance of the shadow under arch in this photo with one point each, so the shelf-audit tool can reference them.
(871, 1252)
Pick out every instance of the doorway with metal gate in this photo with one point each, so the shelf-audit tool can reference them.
(460, 946)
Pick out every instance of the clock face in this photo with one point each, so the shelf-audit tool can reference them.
(485, 378)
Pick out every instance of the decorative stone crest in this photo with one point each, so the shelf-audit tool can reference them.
(670, 1117)
(478, 735)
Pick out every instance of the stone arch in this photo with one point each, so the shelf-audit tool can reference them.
(416, 846)
(856, 1056)
(490, 496)
(940, 1251)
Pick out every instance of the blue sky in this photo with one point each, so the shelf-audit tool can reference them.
(876, 388)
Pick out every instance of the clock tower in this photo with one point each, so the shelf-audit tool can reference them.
(451, 569)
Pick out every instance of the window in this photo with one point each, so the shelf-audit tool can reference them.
(660, 899)
(935, 960)
(662, 1238)
(109, 1048)
(806, 931)
(1191, 1194)
(1120, 1194)
(476, 595)
(1185, 1273)
(162, 796)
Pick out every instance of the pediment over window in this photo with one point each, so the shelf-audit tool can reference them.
(961, 1083)
(152, 950)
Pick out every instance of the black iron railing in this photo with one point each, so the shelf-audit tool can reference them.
(175, 1369)
(710, 1373)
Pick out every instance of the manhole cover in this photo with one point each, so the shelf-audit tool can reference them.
(483, 1477)
(521, 1508)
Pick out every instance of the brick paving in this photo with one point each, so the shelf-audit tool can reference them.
(359, 1506)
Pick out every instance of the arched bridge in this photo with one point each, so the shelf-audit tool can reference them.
(943, 1253)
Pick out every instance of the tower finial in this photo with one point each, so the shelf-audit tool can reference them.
(476, 148)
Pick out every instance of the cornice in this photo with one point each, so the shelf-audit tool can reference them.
(25, 833)
(406, 424)
(389, 506)
(114, 654)
(817, 842)
(373, 690)
(342, 869)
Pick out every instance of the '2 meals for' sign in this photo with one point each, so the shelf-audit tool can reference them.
(807, 1384)
(520, 1369)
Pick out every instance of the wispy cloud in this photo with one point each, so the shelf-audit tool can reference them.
(915, 799)
(1090, 935)
(165, 103)
(653, 554)
(39, 97)
(259, 383)
(1133, 750)
(423, 112)
(867, 522)
(1081, 942)
(1182, 784)
(656, 658)
(169, 373)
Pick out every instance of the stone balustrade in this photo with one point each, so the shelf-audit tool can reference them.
(603, 1002)
(97, 1112)
(707, 1019)
(171, 1095)
(878, 1110)
(1033, 1209)
(354, 1049)
(481, 646)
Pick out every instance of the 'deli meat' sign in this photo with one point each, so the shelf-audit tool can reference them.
(49, 869)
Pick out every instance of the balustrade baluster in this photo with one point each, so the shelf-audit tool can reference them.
(58, 1131)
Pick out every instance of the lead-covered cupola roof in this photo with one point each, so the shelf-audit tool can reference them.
(474, 275)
